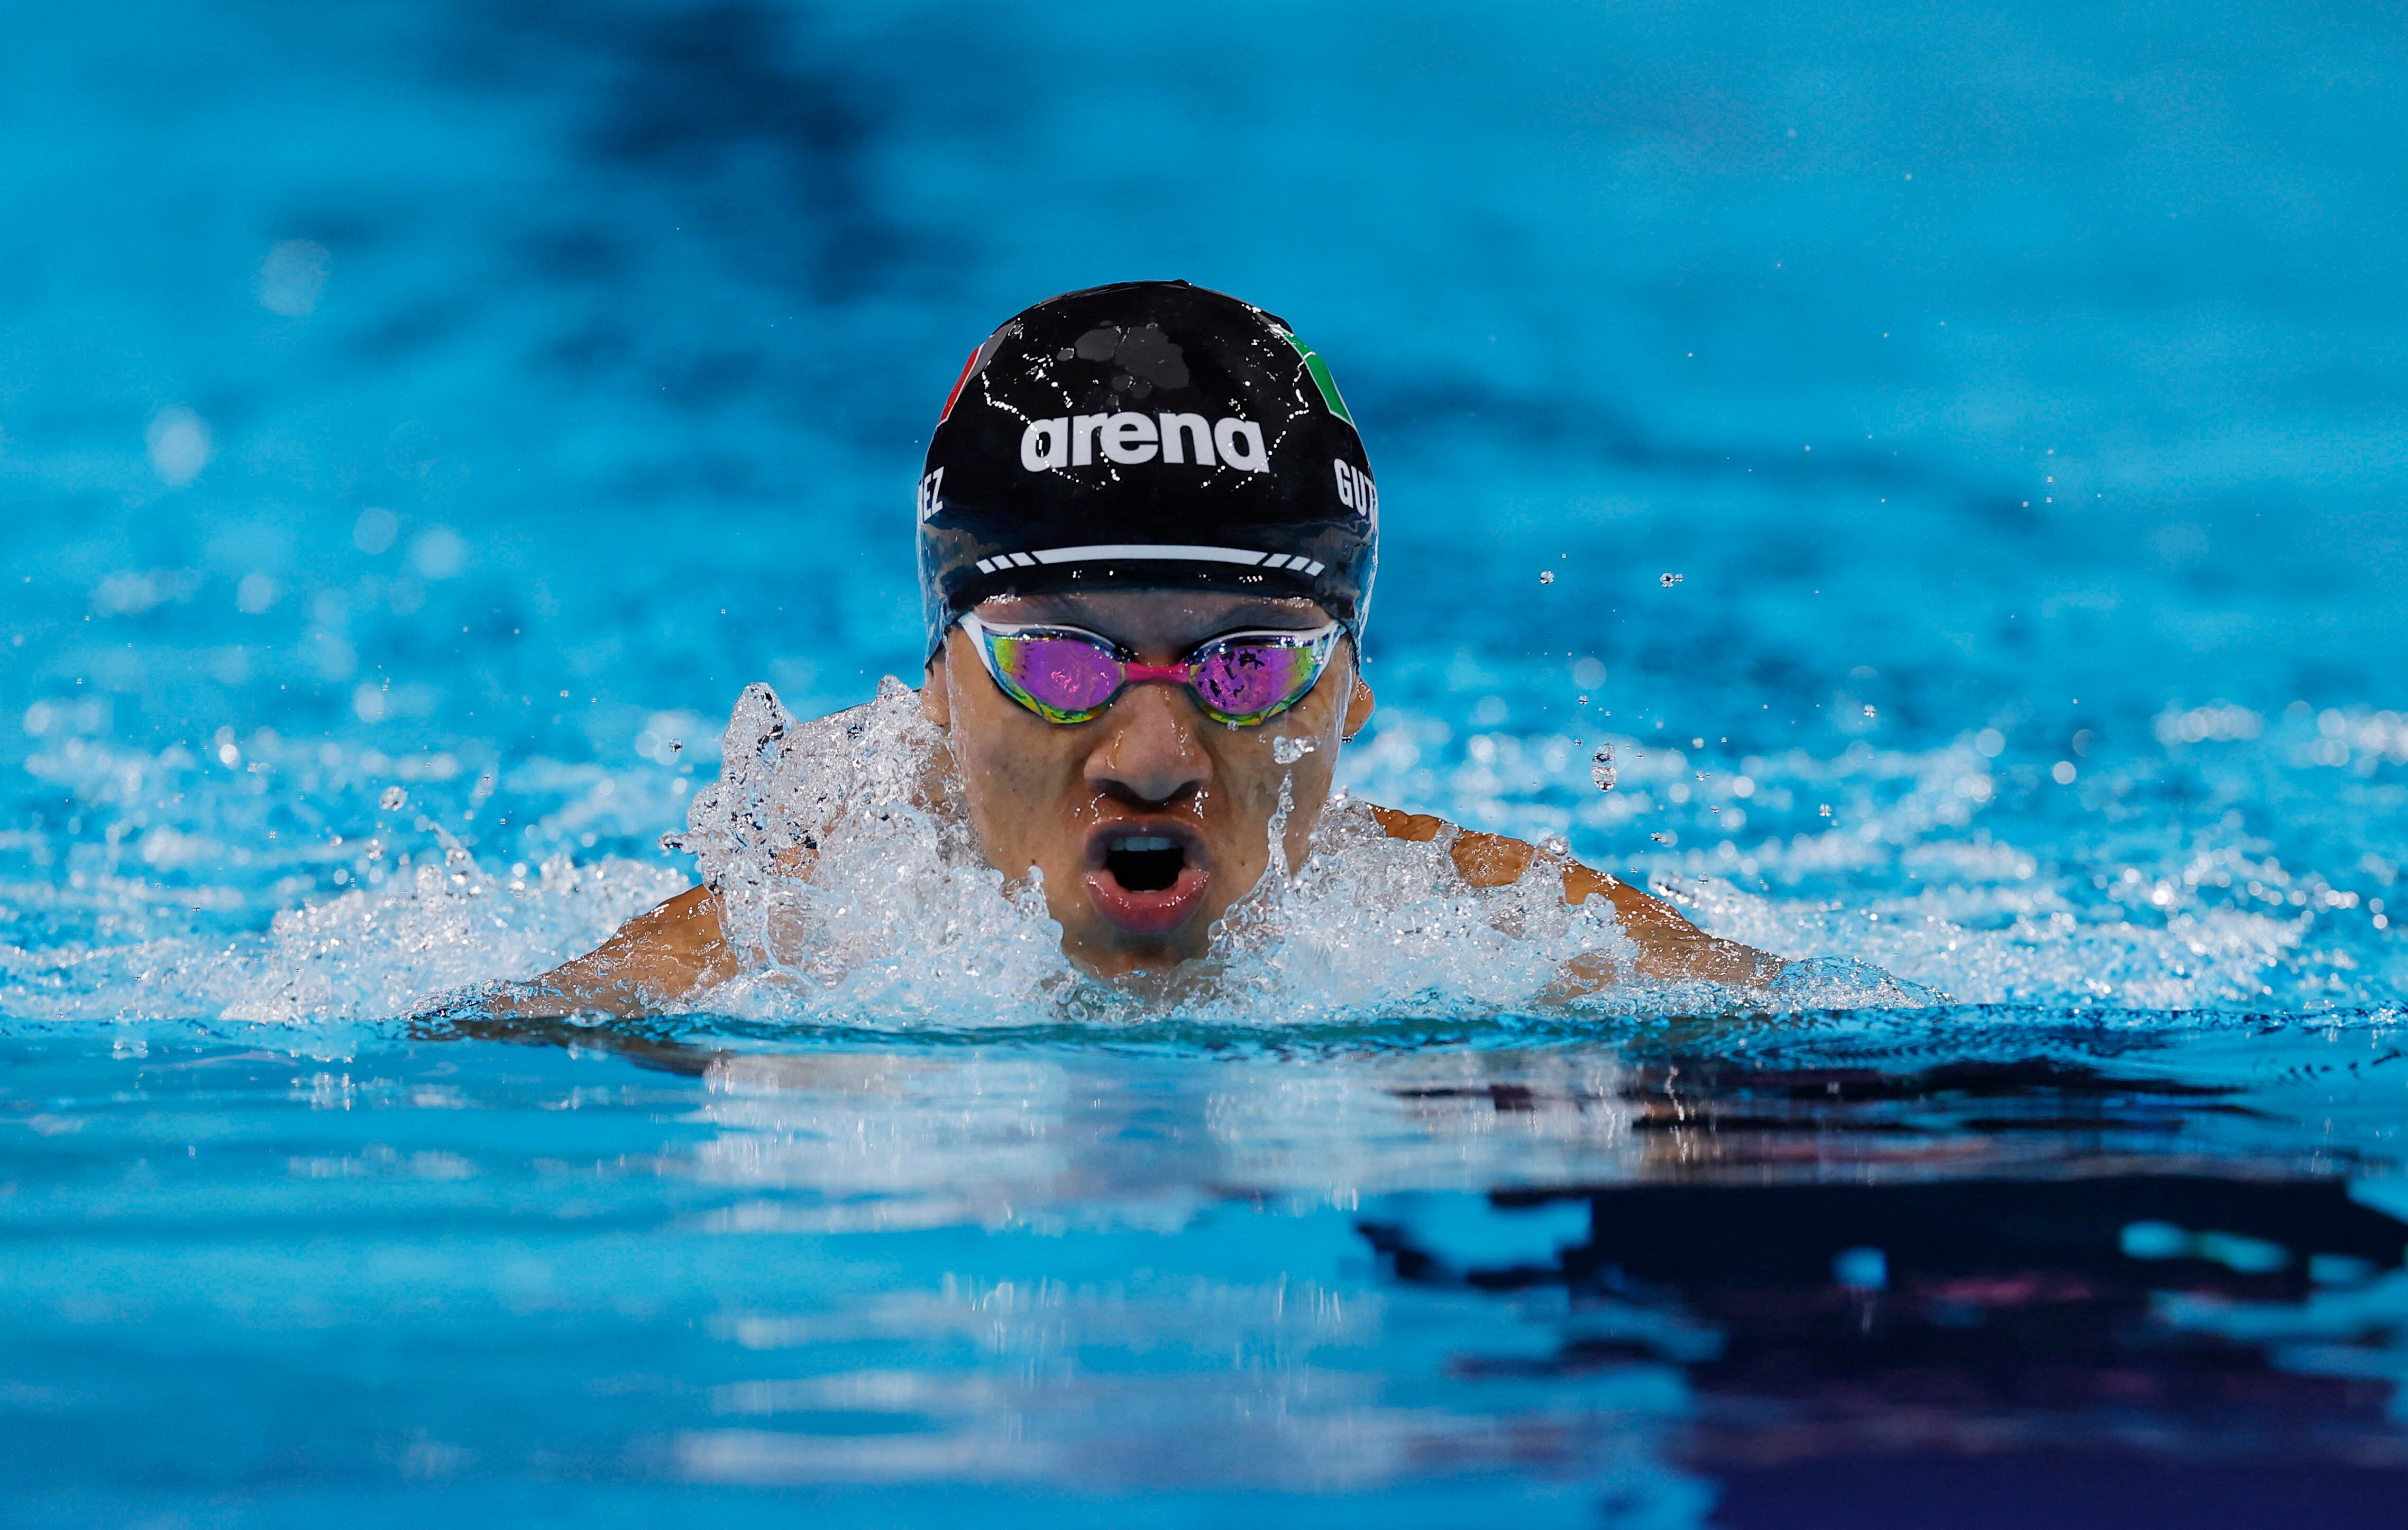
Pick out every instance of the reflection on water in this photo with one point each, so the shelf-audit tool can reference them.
(1976, 1316)
(1659, 1285)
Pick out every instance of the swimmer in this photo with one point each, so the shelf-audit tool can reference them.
(1147, 535)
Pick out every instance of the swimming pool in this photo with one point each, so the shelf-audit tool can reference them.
(1959, 449)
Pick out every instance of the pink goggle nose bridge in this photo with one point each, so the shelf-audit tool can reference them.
(1169, 674)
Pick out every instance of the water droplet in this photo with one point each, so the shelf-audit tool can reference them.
(1668, 580)
(292, 277)
(394, 799)
(1826, 809)
(1869, 708)
(1546, 576)
(1600, 767)
(1556, 846)
(180, 445)
(1287, 751)
(1661, 838)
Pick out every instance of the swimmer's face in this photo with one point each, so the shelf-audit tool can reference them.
(1149, 821)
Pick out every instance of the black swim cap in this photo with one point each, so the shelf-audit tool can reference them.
(1145, 434)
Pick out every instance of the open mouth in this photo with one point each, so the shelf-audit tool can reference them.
(1145, 862)
(1146, 878)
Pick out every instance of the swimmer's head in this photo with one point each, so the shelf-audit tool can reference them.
(1153, 435)
(1151, 503)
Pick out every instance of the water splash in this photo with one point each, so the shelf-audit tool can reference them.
(2153, 884)
(850, 879)
(286, 887)
(275, 880)
(854, 886)
(363, 956)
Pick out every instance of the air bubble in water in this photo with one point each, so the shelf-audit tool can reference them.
(393, 800)
(1869, 708)
(1556, 846)
(1668, 580)
(1546, 576)
(1600, 767)
(1287, 751)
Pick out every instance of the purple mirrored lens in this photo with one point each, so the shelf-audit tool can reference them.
(1247, 678)
(1061, 673)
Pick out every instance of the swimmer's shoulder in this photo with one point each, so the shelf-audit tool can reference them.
(656, 959)
(1671, 946)
(1482, 860)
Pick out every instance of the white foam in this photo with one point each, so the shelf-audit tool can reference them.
(852, 880)
(854, 888)
(364, 955)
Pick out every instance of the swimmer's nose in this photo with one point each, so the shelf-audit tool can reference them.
(1149, 751)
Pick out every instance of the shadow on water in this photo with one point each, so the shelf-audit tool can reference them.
(2034, 1297)
(1983, 1352)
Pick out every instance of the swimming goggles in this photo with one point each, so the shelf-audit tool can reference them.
(1065, 675)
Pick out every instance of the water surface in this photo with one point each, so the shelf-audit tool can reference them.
(1964, 445)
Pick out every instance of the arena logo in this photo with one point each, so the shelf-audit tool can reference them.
(1078, 440)
(1355, 490)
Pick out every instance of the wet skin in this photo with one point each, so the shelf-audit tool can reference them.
(1064, 798)
(1146, 822)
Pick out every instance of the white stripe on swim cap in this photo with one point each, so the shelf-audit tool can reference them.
(1152, 552)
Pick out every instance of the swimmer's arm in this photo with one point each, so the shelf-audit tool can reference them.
(1670, 946)
(655, 960)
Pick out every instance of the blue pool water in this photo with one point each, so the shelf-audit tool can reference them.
(1965, 443)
